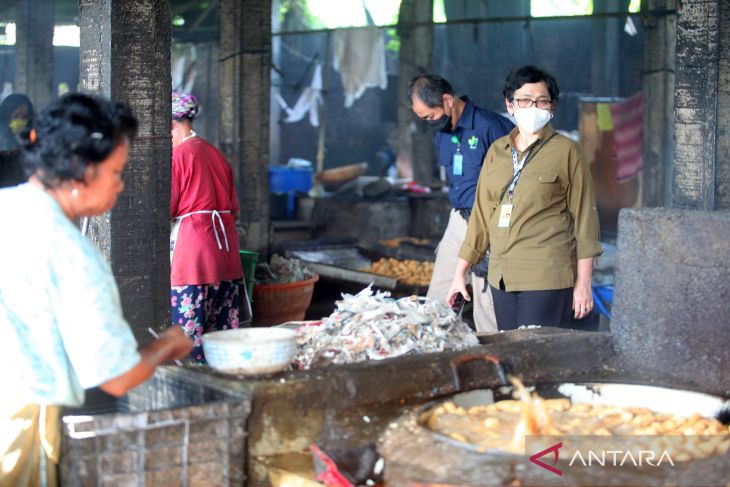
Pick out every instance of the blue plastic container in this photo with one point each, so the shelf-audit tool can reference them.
(602, 299)
(283, 179)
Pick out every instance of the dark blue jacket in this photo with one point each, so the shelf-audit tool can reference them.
(476, 130)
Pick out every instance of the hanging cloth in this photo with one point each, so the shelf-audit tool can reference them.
(359, 56)
(627, 135)
(308, 102)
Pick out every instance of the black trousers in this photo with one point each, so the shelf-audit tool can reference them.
(544, 308)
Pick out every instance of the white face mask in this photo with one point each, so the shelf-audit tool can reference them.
(532, 120)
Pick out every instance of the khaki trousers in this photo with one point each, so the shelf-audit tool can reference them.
(30, 441)
(447, 256)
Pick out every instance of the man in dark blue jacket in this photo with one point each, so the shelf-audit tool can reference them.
(464, 132)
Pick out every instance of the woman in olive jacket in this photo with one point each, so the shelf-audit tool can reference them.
(536, 210)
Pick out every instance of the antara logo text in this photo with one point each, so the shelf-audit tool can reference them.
(555, 449)
(603, 458)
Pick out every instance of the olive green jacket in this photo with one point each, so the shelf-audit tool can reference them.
(554, 219)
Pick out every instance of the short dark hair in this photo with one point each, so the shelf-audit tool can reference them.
(529, 74)
(72, 133)
(430, 89)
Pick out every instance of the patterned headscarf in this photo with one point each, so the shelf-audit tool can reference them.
(184, 105)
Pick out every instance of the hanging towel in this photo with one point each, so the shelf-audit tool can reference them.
(627, 131)
(308, 102)
(359, 56)
(605, 120)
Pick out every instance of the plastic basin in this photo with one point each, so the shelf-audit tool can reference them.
(250, 350)
(274, 304)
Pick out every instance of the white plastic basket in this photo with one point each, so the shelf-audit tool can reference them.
(250, 350)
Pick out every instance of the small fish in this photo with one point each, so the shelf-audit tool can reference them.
(373, 326)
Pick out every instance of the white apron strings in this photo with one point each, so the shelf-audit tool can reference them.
(216, 218)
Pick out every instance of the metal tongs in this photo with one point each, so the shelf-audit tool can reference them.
(460, 300)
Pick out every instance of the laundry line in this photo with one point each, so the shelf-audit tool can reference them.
(656, 13)
(359, 57)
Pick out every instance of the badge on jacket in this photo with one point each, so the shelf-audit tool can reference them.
(505, 215)
(458, 164)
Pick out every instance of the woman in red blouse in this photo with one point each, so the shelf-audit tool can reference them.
(206, 277)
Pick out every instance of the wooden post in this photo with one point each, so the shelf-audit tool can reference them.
(323, 109)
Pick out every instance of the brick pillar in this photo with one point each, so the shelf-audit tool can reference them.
(125, 54)
(701, 178)
(660, 35)
(245, 79)
(34, 50)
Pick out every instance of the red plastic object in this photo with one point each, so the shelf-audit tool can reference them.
(414, 187)
(330, 476)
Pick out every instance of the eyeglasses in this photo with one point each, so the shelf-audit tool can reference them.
(542, 103)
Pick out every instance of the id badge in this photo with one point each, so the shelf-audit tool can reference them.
(505, 215)
(458, 164)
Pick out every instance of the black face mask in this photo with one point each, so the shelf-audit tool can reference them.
(442, 124)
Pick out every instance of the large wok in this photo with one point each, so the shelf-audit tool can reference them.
(415, 454)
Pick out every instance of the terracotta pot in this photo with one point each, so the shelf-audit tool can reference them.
(278, 303)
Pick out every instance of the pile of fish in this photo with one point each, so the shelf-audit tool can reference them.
(373, 326)
(282, 271)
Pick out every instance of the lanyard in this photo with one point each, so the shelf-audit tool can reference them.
(457, 160)
(517, 166)
(516, 171)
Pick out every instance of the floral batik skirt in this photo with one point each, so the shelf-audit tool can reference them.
(205, 308)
